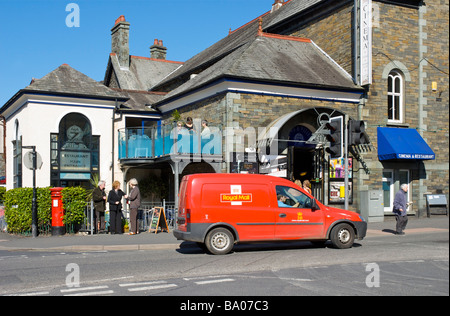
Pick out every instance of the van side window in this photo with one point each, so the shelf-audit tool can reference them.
(290, 197)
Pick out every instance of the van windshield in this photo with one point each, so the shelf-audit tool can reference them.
(290, 197)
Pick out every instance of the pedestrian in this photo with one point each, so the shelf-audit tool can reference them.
(115, 208)
(134, 199)
(206, 132)
(399, 209)
(189, 125)
(99, 198)
(307, 186)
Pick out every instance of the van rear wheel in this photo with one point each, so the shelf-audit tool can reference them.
(219, 241)
(342, 236)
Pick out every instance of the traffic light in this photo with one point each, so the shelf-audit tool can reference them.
(357, 133)
(336, 139)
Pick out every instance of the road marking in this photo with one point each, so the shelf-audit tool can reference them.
(141, 283)
(30, 294)
(91, 293)
(155, 287)
(214, 281)
(85, 291)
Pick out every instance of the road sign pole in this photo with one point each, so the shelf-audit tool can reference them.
(346, 190)
(34, 219)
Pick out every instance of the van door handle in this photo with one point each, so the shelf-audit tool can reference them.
(282, 215)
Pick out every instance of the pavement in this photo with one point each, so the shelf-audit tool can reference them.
(164, 240)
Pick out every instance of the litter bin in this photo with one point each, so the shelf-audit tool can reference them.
(58, 227)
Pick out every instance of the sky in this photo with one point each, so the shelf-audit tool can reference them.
(37, 36)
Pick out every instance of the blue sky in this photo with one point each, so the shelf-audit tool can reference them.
(35, 40)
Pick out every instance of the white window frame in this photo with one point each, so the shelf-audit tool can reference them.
(394, 115)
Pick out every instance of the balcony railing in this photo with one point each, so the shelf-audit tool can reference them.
(154, 142)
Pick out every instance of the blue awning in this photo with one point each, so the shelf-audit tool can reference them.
(402, 143)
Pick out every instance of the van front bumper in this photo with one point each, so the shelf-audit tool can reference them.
(361, 229)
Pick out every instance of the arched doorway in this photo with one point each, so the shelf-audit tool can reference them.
(287, 139)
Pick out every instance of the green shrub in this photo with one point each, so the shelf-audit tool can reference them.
(18, 203)
(74, 203)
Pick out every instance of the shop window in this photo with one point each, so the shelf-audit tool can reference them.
(396, 91)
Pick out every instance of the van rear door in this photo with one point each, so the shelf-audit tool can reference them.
(183, 212)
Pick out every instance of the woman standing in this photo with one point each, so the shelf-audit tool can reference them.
(307, 186)
(135, 202)
(115, 208)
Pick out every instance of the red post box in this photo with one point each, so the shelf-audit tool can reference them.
(58, 227)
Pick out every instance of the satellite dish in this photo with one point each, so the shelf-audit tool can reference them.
(28, 160)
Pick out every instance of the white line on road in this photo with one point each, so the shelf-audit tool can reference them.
(89, 288)
(30, 294)
(214, 281)
(155, 287)
(91, 293)
(141, 283)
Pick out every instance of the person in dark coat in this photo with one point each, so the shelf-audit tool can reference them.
(400, 209)
(115, 208)
(99, 198)
(134, 199)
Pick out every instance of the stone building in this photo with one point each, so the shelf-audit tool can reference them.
(269, 86)
(384, 62)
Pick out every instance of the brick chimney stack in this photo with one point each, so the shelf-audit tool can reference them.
(120, 41)
(157, 50)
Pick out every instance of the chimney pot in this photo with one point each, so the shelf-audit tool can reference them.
(120, 19)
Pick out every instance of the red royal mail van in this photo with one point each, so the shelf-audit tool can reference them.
(219, 210)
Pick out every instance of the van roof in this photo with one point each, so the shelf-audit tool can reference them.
(236, 177)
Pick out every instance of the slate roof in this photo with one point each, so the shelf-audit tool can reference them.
(234, 40)
(247, 54)
(139, 101)
(142, 74)
(67, 80)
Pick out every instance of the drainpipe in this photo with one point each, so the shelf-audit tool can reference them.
(4, 141)
(112, 137)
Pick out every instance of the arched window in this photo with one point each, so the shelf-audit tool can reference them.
(396, 95)
(74, 152)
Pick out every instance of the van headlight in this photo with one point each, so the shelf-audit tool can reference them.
(361, 218)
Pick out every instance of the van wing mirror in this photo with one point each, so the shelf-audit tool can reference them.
(314, 206)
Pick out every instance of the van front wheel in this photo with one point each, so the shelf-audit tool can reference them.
(219, 241)
(342, 236)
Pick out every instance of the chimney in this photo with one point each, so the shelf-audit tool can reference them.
(120, 40)
(278, 4)
(157, 50)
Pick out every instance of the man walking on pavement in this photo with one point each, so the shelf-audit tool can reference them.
(399, 210)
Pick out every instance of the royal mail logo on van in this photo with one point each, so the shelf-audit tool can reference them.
(236, 197)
